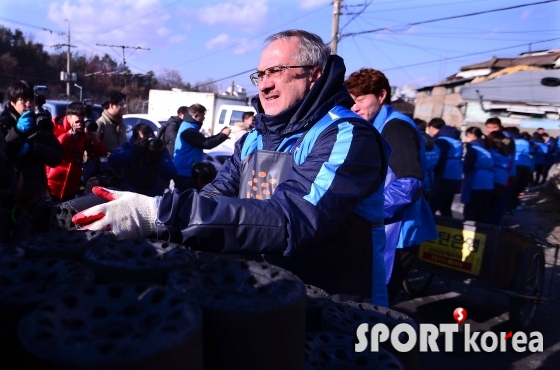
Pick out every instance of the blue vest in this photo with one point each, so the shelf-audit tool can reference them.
(500, 167)
(522, 153)
(431, 158)
(540, 152)
(483, 170)
(186, 155)
(417, 223)
(370, 208)
(454, 165)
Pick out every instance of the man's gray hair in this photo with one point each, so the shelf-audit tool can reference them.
(312, 49)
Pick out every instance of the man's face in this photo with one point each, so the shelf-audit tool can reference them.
(278, 94)
(368, 106)
(21, 105)
(540, 131)
(432, 130)
(492, 127)
(76, 122)
(117, 109)
(199, 117)
(249, 121)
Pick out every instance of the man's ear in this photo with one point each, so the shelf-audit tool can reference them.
(315, 74)
(383, 96)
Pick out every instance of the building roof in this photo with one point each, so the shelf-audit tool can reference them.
(520, 87)
(450, 81)
(531, 60)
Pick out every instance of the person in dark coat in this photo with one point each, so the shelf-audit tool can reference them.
(304, 188)
(30, 145)
(144, 163)
(448, 173)
(168, 132)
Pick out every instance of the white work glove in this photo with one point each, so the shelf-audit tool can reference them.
(127, 215)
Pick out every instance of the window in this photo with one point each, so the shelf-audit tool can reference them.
(428, 92)
(222, 116)
(450, 90)
(236, 116)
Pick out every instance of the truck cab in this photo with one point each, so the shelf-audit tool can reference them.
(228, 115)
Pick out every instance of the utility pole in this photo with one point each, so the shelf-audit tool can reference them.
(334, 33)
(123, 55)
(68, 77)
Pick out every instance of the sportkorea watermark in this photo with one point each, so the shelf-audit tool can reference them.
(474, 341)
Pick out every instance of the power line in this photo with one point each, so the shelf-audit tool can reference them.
(357, 14)
(468, 55)
(421, 7)
(408, 25)
(59, 33)
(225, 78)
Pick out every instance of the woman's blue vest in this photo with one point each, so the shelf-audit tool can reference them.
(370, 208)
(522, 153)
(186, 155)
(501, 167)
(454, 165)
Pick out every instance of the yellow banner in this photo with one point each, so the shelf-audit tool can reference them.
(456, 249)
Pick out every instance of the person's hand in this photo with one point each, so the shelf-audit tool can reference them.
(128, 215)
(26, 122)
(226, 130)
(90, 184)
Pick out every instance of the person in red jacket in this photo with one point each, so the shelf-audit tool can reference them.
(65, 179)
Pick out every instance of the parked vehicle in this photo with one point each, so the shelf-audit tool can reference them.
(131, 120)
(58, 108)
(222, 110)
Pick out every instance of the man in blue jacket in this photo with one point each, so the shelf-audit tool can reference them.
(408, 220)
(189, 145)
(304, 188)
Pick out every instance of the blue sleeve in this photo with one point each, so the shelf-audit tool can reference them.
(167, 169)
(226, 182)
(399, 194)
(346, 164)
(444, 147)
(121, 157)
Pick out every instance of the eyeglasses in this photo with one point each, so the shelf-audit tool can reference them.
(272, 73)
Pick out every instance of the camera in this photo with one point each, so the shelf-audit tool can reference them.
(155, 145)
(91, 125)
(40, 93)
(88, 104)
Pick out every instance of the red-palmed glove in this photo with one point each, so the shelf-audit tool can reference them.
(128, 215)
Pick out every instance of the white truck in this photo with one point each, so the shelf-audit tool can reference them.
(222, 110)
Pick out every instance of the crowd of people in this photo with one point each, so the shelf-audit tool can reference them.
(490, 170)
(47, 160)
(327, 180)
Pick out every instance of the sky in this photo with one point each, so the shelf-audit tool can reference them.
(216, 39)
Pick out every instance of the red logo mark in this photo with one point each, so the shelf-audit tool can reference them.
(508, 335)
(460, 315)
